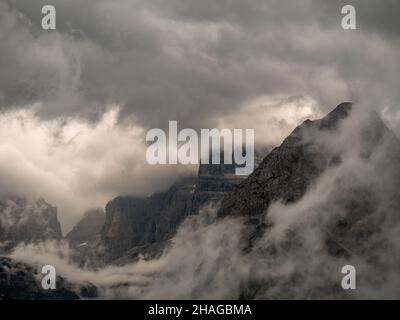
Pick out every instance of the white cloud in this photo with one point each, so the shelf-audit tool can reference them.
(75, 164)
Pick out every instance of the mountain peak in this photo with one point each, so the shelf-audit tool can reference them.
(286, 173)
(341, 112)
(343, 108)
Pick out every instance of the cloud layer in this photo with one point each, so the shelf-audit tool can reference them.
(193, 62)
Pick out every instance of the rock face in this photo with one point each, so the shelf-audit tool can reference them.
(85, 239)
(87, 230)
(287, 171)
(19, 281)
(213, 183)
(141, 226)
(133, 222)
(25, 221)
(327, 197)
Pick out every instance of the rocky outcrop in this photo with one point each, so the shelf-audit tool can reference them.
(87, 230)
(287, 171)
(142, 226)
(23, 221)
(215, 181)
(85, 239)
(134, 222)
(328, 196)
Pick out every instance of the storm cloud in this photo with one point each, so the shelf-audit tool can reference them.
(195, 61)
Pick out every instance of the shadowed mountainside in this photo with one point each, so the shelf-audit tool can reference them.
(23, 221)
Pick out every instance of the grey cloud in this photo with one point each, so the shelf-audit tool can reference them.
(195, 61)
(372, 16)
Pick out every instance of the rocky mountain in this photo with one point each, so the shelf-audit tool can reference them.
(215, 181)
(25, 221)
(87, 230)
(135, 222)
(290, 170)
(142, 226)
(327, 196)
(85, 238)
(287, 171)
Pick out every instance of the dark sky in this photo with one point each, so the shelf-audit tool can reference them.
(195, 60)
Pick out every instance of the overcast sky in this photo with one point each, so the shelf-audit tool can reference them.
(76, 102)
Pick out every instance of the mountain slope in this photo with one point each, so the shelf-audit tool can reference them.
(143, 226)
(87, 230)
(23, 221)
(134, 222)
(329, 196)
(287, 171)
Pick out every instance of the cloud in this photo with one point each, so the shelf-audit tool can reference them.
(193, 62)
(193, 268)
(272, 117)
(75, 164)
